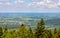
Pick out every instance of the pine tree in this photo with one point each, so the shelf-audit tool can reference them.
(50, 34)
(1, 32)
(13, 33)
(5, 29)
(22, 31)
(30, 30)
(55, 31)
(40, 28)
(30, 33)
(5, 32)
(58, 35)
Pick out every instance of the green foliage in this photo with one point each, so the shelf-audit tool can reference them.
(58, 34)
(40, 28)
(1, 32)
(30, 35)
(5, 33)
(5, 29)
(23, 32)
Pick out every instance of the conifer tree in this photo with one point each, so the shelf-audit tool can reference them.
(58, 35)
(13, 33)
(5, 32)
(5, 29)
(1, 32)
(30, 33)
(22, 31)
(50, 33)
(55, 31)
(40, 28)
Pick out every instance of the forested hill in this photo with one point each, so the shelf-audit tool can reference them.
(53, 21)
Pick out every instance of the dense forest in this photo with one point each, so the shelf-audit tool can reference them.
(40, 31)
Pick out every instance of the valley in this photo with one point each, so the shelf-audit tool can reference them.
(13, 20)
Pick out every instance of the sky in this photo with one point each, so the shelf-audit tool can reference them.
(29, 5)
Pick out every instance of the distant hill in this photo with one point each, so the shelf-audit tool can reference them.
(13, 20)
(53, 21)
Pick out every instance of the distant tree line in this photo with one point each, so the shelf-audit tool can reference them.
(23, 32)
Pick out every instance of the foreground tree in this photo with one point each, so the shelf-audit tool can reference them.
(40, 28)
(5, 32)
(1, 32)
(58, 34)
(30, 33)
(22, 31)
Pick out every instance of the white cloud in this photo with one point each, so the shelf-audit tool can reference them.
(40, 3)
(36, 3)
(58, 3)
(19, 1)
(1, 3)
(8, 3)
(19, 5)
(52, 5)
(46, 3)
(59, 0)
(31, 4)
(15, 2)
(4, 0)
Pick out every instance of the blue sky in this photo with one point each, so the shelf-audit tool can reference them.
(29, 5)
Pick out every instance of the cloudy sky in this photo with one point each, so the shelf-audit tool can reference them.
(29, 5)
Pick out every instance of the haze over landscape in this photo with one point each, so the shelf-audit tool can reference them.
(13, 20)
